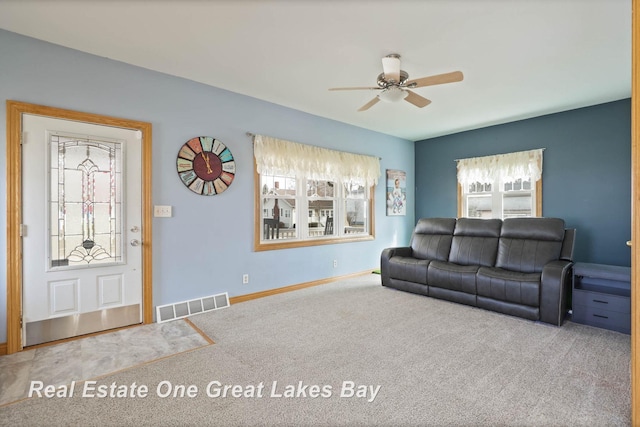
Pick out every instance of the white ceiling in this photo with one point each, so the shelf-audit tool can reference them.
(520, 58)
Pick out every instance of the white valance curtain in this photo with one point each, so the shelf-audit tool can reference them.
(279, 157)
(505, 167)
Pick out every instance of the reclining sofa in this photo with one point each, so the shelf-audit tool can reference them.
(516, 266)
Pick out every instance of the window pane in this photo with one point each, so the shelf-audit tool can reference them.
(478, 187)
(514, 205)
(278, 185)
(518, 185)
(356, 216)
(86, 199)
(320, 189)
(278, 207)
(479, 207)
(321, 207)
(278, 218)
(355, 191)
(320, 218)
(355, 209)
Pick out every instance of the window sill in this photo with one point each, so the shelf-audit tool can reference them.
(260, 246)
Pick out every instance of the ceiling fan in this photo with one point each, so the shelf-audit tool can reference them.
(394, 84)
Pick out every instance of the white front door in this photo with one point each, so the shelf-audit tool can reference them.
(81, 233)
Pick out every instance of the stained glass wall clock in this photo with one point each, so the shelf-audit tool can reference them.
(206, 166)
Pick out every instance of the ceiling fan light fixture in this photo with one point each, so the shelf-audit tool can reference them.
(394, 84)
(393, 94)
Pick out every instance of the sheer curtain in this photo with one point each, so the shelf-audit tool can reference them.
(505, 167)
(279, 157)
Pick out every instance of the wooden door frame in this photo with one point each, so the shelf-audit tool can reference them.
(635, 214)
(15, 110)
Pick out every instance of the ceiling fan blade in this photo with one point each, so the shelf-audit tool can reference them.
(369, 104)
(438, 79)
(391, 67)
(417, 100)
(355, 88)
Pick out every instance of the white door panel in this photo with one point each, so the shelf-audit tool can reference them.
(81, 208)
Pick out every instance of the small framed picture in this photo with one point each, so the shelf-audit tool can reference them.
(396, 192)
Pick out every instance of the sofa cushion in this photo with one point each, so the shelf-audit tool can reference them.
(524, 311)
(510, 286)
(452, 276)
(527, 244)
(409, 269)
(403, 285)
(475, 241)
(431, 238)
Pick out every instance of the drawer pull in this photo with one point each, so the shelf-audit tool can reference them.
(599, 315)
(600, 301)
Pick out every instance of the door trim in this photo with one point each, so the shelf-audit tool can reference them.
(635, 213)
(15, 110)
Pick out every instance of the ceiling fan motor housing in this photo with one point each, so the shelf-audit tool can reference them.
(383, 83)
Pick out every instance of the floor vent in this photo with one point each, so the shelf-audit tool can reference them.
(178, 310)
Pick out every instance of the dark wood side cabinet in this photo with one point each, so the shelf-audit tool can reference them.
(601, 296)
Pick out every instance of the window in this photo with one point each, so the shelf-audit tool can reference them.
(309, 195)
(85, 201)
(501, 186)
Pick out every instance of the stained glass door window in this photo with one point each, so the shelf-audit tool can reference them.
(85, 201)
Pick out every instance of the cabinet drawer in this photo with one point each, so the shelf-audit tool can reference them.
(601, 318)
(601, 301)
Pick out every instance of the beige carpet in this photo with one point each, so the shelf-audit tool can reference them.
(435, 363)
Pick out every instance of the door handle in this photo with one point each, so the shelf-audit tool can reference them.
(135, 242)
(629, 243)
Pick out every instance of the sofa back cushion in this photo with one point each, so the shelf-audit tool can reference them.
(431, 238)
(475, 241)
(527, 244)
(568, 244)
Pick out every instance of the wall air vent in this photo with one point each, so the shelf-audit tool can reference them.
(178, 310)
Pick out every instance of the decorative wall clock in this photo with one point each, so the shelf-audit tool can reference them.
(206, 166)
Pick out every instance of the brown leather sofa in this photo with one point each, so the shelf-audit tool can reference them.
(519, 266)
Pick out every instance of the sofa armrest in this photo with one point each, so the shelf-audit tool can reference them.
(386, 256)
(553, 291)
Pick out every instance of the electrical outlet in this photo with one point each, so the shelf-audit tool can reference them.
(245, 279)
(335, 263)
(162, 211)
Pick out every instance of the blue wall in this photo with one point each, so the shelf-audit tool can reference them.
(586, 173)
(186, 262)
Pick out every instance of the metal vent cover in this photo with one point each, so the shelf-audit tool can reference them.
(178, 310)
